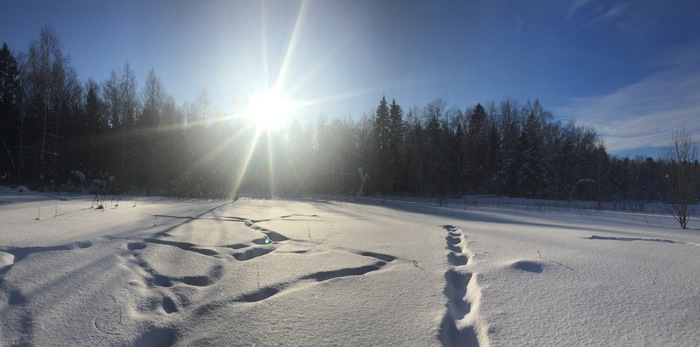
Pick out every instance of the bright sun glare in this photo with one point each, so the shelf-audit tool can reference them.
(268, 109)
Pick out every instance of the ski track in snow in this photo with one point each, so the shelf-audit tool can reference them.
(457, 327)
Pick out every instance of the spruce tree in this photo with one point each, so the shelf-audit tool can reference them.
(477, 146)
(395, 172)
(382, 133)
(530, 176)
(10, 117)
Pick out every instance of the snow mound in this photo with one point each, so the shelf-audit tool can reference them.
(6, 259)
(22, 189)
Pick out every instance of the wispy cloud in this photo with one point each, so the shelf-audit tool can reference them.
(613, 12)
(645, 113)
(586, 13)
(575, 6)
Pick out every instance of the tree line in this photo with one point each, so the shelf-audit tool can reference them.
(57, 132)
(510, 149)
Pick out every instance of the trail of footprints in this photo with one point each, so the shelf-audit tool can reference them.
(457, 328)
(268, 243)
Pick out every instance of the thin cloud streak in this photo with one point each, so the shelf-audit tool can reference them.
(599, 16)
(614, 12)
(575, 6)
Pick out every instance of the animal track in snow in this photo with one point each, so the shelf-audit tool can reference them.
(271, 238)
(169, 305)
(157, 336)
(316, 277)
(252, 253)
(16, 298)
(185, 246)
(214, 275)
(299, 215)
(260, 294)
(457, 327)
(160, 280)
(272, 235)
(171, 292)
(321, 276)
(153, 279)
(353, 271)
(383, 257)
(135, 246)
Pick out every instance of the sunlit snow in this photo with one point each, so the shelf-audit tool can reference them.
(342, 272)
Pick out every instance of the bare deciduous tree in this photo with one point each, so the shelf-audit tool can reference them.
(49, 86)
(154, 98)
(681, 175)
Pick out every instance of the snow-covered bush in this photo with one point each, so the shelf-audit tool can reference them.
(78, 175)
(22, 189)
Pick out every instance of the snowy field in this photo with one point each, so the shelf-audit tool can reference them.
(358, 272)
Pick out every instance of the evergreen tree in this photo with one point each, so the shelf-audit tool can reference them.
(94, 109)
(382, 134)
(414, 152)
(435, 159)
(601, 165)
(511, 159)
(530, 174)
(460, 151)
(95, 152)
(493, 157)
(394, 169)
(10, 116)
(475, 169)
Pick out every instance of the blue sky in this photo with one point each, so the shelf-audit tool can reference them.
(631, 69)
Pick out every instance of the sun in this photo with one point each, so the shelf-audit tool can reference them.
(268, 110)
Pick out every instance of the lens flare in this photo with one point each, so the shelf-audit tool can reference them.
(268, 110)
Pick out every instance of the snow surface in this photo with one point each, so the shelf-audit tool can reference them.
(343, 272)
